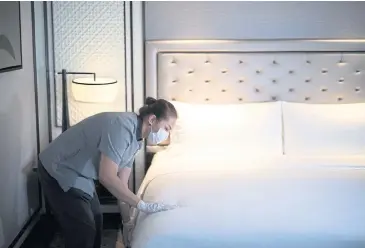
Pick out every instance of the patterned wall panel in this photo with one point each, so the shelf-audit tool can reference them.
(89, 36)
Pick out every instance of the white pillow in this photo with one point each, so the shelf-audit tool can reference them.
(324, 129)
(255, 127)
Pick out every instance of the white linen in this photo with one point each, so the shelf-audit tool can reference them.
(255, 127)
(324, 129)
(229, 201)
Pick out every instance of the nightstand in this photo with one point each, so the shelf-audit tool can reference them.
(108, 203)
(150, 153)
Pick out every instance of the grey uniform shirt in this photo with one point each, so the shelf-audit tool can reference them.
(73, 158)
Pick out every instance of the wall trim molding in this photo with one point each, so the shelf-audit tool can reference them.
(134, 21)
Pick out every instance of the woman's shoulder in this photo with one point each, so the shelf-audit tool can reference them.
(123, 117)
(124, 120)
(118, 120)
(127, 117)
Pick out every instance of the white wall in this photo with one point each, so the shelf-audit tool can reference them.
(254, 20)
(89, 36)
(18, 140)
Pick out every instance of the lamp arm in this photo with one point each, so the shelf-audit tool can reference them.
(79, 73)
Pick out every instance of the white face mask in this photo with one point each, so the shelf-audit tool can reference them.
(157, 138)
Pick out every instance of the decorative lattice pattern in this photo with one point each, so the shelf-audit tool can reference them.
(89, 36)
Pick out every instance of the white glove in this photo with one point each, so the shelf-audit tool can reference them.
(154, 207)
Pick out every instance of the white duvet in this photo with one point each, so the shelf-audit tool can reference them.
(230, 200)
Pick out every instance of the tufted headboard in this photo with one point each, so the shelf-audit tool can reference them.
(312, 71)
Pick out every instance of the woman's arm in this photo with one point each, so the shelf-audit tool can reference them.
(124, 174)
(113, 144)
(108, 177)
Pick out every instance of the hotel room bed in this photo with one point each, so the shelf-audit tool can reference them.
(266, 202)
(268, 150)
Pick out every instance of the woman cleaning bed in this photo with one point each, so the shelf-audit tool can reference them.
(101, 147)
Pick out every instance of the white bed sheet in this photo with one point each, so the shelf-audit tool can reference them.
(232, 201)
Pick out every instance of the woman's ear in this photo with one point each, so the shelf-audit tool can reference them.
(151, 119)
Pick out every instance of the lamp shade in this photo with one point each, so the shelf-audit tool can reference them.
(100, 90)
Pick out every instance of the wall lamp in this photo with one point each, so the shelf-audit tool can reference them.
(88, 89)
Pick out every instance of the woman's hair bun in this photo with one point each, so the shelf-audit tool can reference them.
(150, 101)
(161, 108)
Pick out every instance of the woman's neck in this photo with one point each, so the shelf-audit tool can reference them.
(145, 129)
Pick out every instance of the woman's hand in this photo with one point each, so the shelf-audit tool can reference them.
(154, 207)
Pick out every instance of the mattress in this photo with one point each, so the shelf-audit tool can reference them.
(230, 200)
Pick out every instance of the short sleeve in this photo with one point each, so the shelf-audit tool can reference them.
(114, 141)
(130, 163)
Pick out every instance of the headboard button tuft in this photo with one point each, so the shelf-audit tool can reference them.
(268, 74)
(341, 62)
(274, 98)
